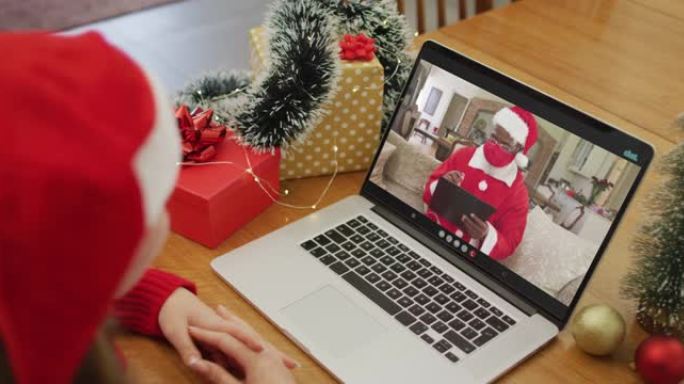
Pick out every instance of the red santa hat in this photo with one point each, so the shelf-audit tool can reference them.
(522, 126)
(89, 158)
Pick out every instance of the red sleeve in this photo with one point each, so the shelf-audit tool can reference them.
(510, 227)
(139, 309)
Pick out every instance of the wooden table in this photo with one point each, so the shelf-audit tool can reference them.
(618, 60)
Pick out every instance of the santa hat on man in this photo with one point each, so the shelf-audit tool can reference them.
(522, 126)
(89, 157)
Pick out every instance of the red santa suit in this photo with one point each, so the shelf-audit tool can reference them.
(500, 185)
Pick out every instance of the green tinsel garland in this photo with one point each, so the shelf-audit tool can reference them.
(280, 107)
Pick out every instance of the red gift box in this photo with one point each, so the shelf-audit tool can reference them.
(212, 201)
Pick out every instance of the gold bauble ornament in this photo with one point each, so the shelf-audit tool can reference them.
(598, 329)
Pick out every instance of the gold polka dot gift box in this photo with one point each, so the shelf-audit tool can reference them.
(351, 124)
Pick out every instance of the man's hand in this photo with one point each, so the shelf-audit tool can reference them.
(183, 309)
(475, 227)
(455, 177)
(263, 367)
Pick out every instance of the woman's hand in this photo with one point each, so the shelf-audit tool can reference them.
(183, 309)
(263, 367)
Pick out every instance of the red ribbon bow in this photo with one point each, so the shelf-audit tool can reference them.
(199, 132)
(358, 47)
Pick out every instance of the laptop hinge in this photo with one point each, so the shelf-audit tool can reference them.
(468, 268)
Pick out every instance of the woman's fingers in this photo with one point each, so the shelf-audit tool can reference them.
(179, 337)
(226, 314)
(246, 335)
(224, 342)
(213, 373)
(229, 316)
(289, 362)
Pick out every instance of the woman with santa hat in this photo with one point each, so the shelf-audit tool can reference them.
(90, 153)
(492, 173)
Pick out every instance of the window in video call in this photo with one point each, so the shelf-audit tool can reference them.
(523, 191)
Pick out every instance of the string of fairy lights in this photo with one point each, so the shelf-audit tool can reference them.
(270, 191)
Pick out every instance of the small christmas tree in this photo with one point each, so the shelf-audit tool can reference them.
(656, 280)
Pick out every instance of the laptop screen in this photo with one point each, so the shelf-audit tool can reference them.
(501, 182)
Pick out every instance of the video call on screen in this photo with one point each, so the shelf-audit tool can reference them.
(452, 154)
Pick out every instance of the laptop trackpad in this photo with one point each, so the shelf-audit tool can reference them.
(332, 322)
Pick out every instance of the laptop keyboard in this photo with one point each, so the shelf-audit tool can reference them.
(443, 312)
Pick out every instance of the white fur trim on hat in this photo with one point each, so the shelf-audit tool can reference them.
(156, 162)
(511, 122)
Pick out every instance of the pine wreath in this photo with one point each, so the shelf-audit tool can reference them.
(278, 108)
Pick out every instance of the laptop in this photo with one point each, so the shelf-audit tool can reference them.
(377, 291)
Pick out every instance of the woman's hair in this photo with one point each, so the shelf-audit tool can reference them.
(101, 363)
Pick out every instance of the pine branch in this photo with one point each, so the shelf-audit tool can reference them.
(211, 87)
(656, 278)
(303, 73)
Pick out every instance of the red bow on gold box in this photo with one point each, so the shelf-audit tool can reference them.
(200, 133)
(358, 47)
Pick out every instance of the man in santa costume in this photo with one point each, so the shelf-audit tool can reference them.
(492, 173)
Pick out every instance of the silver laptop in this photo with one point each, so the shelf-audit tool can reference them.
(379, 289)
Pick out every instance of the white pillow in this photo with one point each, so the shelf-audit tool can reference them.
(550, 256)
